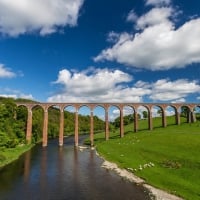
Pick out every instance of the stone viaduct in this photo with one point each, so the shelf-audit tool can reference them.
(61, 106)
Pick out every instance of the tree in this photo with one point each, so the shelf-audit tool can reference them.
(145, 114)
(12, 130)
(159, 112)
(184, 111)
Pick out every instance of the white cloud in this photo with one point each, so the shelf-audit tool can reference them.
(181, 100)
(158, 2)
(159, 44)
(132, 17)
(175, 91)
(6, 72)
(25, 96)
(45, 16)
(7, 92)
(101, 85)
(113, 37)
(154, 17)
(15, 96)
(99, 80)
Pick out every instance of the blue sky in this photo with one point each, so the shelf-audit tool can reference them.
(100, 51)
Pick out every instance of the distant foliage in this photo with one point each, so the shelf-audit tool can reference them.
(128, 119)
(12, 130)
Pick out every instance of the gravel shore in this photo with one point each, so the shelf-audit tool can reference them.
(157, 193)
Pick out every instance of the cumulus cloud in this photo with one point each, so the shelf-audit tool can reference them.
(132, 16)
(10, 93)
(175, 91)
(16, 96)
(6, 72)
(157, 44)
(45, 16)
(181, 100)
(154, 17)
(101, 85)
(113, 37)
(158, 2)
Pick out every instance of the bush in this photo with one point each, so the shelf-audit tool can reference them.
(2, 158)
(4, 139)
(12, 143)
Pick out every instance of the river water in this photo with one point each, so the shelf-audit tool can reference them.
(64, 173)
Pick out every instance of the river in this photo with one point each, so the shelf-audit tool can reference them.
(64, 173)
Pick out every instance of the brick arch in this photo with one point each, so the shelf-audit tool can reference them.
(148, 108)
(194, 106)
(175, 112)
(92, 106)
(194, 115)
(188, 114)
(88, 106)
(98, 105)
(84, 105)
(163, 115)
(120, 108)
(40, 106)
(129, 106)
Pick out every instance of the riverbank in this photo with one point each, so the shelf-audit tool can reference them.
(157, 193)
(8, 155)
(154, 193)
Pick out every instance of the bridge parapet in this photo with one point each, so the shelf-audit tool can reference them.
(135, 106)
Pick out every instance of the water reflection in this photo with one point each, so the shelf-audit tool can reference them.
(27, 161)
(64, 173)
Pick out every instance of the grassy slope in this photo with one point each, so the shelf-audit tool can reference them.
(11, 154)
(173, 150)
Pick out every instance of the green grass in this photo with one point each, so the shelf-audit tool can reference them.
(8, 155)
(174, 152)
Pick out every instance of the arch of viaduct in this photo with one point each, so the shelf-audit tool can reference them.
(61, 106)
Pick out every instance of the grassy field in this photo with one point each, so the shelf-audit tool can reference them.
(11, 154)
(167, 158)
